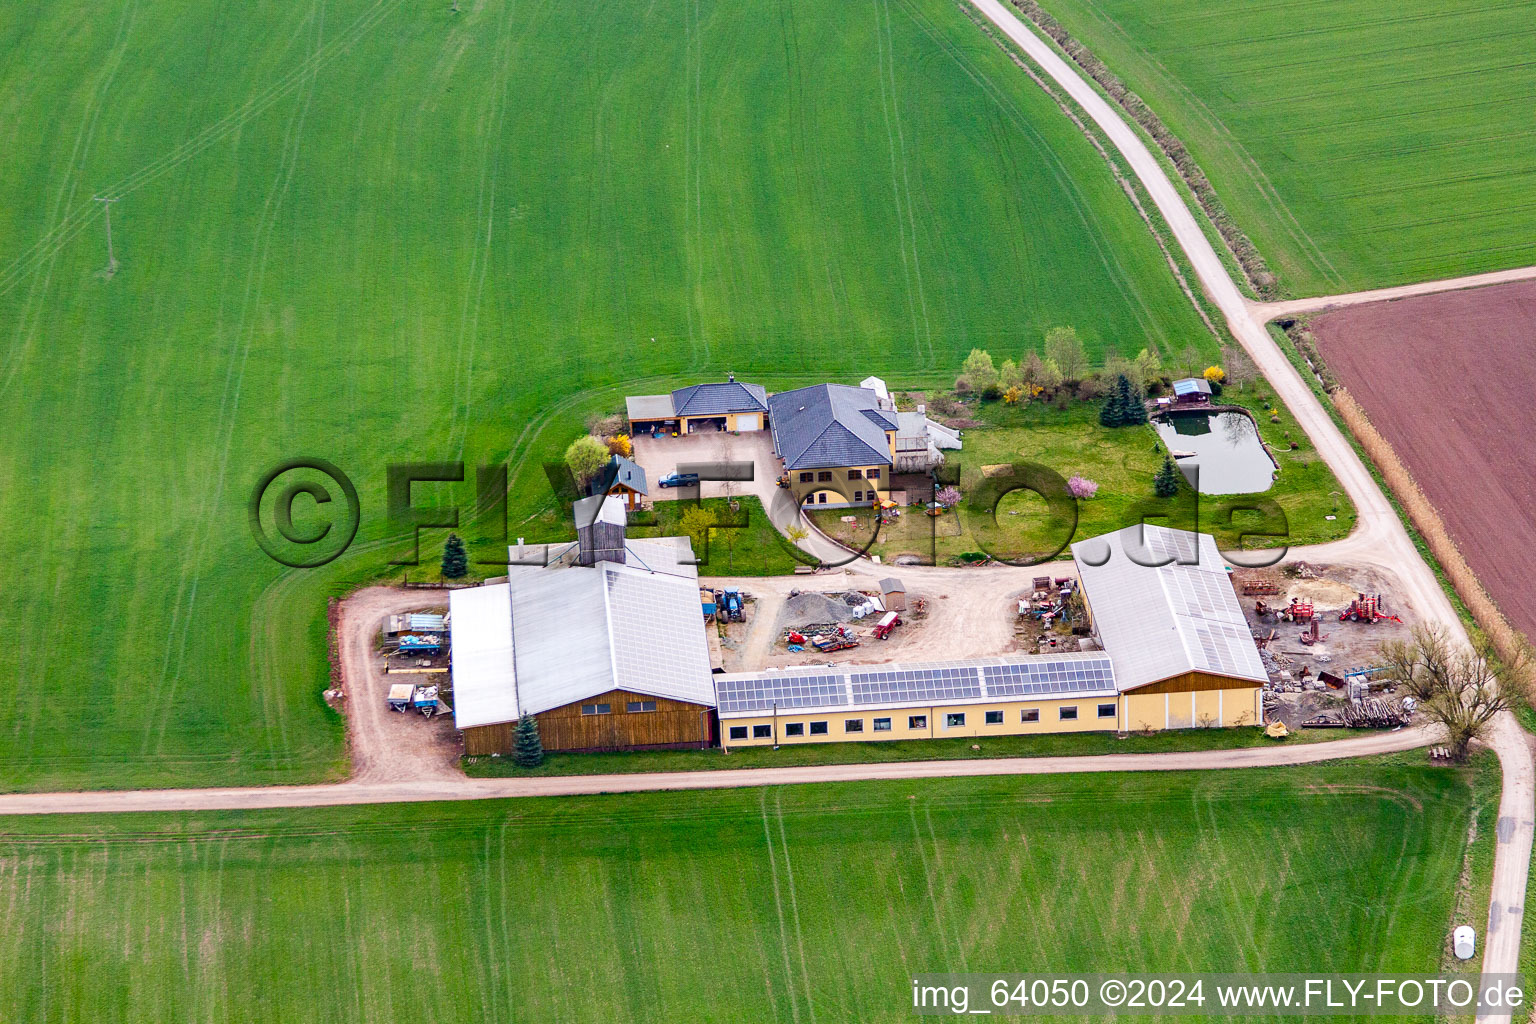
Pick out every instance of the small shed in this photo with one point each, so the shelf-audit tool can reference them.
(1191, 391)
(893, 594)
(624, 478)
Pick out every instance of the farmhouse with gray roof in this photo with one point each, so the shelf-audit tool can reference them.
(836, 442)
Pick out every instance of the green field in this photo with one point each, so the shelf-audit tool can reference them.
(1358, 143)
(787, 904)
(373, 232)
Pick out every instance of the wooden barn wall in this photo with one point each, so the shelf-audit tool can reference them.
(1194, 681)
(674, 723)
(489, 739)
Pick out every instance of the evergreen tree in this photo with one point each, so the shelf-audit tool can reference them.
(1166, 483)
(527, 748)
(1134, 410)
(455, 559)
(1112, 412)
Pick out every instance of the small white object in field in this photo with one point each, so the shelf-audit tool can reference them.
(1465, 941)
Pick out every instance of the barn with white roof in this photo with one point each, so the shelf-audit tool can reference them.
(608, 653)
(1162, 605)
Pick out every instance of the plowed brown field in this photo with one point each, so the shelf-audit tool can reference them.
(1450, 380)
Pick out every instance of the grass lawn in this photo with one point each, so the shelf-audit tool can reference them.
(1051, 745)
(377, 232)
(1347, 172)
(743, 542)
(777, 904)
(1123, 461)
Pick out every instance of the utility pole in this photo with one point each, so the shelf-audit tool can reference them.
(106, 210)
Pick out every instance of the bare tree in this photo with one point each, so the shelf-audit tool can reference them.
(1461, 688)
(1240, 369)
(1065, 348)
(1189, 360)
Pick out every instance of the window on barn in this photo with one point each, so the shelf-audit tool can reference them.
(821, 497)
(825, 476)
(882, 725)
(762, 732)
(794, 729)
(854, 474)
(1106, 711)
(954, 720)
(596, 709)
(806, 478)
(1069, 714)
(640, 705)
(872, 474)
(853, 725)
(738, 732)
(818, 728)
(917, 721)
(1030, 715)
(994, 718)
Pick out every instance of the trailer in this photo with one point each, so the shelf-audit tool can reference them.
(425, 643)
(709, 602)
(400, 695)
(888, 622)
(424, 699)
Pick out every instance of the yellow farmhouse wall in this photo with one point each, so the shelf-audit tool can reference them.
(975, 722)
(730, 421)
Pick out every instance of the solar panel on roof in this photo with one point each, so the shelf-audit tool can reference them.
(938, 683)
(762, 693)
(1022, 680)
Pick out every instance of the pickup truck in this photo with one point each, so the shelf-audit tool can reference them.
(680, 480)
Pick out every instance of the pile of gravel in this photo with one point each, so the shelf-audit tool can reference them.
(803, 609)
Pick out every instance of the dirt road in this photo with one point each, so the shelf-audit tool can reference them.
(1266, 311)
(1379, 532)
(576, 785)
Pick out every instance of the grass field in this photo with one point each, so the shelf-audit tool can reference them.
(374, 232)
(1357, 143)
(1123, 461)
(785, 904)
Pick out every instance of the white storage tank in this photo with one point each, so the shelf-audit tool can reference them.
(1464, 941)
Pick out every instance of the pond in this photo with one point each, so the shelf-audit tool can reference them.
(1224, 445)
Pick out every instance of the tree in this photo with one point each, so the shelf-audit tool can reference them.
(949, 497)
(1013, 395)
(1081, 487)
(1166, 483)
(1149, 368)
(1065, 349)
(796, 533)
(1461, 688)
(1115, 364)
(1123, 407)
(1050, 375)
(980, 371)
(1131, 401)
(1240, 369)
(1189, 360)
(620, 444)
(527, 748)
(696, 522)
(1031, 369)
(455, 559)
(1009, 375)
(585, 458)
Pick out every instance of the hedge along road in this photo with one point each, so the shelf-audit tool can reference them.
(1380, 532)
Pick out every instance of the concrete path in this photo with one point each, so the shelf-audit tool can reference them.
(258, 798)
(1380, 532)
(1266, 311)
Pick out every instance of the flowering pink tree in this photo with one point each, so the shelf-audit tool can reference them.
(949, 497)
(1081, 487)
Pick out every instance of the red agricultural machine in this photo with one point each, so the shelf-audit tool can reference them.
(1367, 608)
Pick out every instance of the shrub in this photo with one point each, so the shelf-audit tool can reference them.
(585, 458)
(620, 444)
(1081, 487)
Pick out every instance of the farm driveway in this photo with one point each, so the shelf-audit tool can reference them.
(660, 456)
